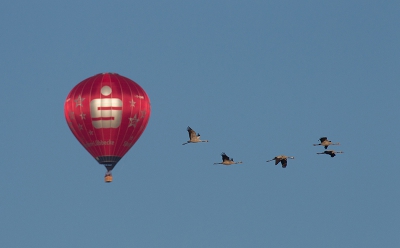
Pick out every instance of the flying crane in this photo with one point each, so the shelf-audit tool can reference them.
(193, 137)
(332, 153)
(325, 142)
(228, 161)
(282, 159)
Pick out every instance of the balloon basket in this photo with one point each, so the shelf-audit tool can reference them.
(108, 178)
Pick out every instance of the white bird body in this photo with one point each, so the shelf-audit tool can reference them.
(282, 159)
(193, 137)
(325, 142)
(228, 161)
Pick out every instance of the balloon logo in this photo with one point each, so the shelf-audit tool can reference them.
(107, 113)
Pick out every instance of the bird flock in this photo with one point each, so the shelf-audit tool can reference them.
(195, 138)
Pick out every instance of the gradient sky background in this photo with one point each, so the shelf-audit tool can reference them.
(255, 78)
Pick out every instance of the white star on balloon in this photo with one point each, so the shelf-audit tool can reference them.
(83, 116)
(90, 132)
(80, 126)
(133, 121)
(132, 102)
(78, 101)
(142, 114)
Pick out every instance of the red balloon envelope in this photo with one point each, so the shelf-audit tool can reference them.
(107, 113)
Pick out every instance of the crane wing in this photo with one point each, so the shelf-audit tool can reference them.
(224, 157)
(284, 163)
(330, 152)
(192, 133)
(322, 139)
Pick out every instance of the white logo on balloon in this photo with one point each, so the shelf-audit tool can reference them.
(106, 112)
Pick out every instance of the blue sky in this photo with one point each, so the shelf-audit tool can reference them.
(255, 78)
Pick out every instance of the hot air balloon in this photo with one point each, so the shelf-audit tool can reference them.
(107, 113)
